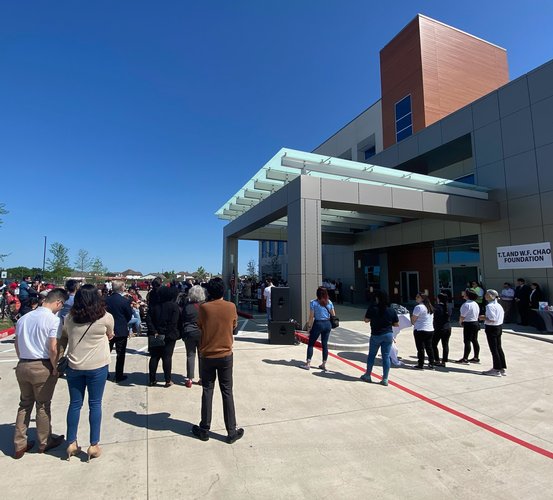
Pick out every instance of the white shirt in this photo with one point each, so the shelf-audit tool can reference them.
(507, 294)
(494, 314)
(425, 321)
(33, 331)
(267, 294)
(470, 311)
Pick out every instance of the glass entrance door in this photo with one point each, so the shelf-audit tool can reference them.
(462, 276)
(444, 281)
(409, 286)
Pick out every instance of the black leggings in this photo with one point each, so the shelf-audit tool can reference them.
(470, 336)
(442, 334)
(423, 341)
(164, 353)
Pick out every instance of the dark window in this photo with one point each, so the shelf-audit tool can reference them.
(404, 118)
(403, 107)
(370, 152)
(441, 256)
(404, 122)
(406, 132)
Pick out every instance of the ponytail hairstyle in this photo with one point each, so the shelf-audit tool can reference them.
(322, 296)
(426, 302)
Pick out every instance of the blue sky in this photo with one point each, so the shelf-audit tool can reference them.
(125, 125)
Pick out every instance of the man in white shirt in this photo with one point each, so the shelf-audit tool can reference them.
(267, 295)
(493, 321)
(507, 300)
(36, 345)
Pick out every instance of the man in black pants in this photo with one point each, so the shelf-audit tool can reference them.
(120, 308)
(217, 320)
(522, 299)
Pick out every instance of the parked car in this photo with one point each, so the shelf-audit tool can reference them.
(143, 285)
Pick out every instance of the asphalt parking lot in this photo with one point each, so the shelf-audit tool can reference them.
(448, 433)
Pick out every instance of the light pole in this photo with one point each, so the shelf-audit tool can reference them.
(44, 258)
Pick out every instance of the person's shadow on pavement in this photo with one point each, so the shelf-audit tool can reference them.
(6, 438)
(162, 422)
(284, 362)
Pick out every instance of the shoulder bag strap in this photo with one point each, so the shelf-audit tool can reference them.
(82, 336)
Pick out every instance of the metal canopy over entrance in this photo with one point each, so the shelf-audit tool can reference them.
(309, 199)
(289, 164)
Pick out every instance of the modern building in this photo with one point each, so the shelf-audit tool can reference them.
(448, 178)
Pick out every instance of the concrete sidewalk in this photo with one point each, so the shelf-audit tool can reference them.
(307, 434)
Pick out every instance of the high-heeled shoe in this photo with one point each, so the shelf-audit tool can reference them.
(94, 451)
(73, 449)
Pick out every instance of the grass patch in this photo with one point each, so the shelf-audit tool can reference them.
(5, 324)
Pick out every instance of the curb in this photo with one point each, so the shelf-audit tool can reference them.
(304, 339)
(246, 315)
(7, 333)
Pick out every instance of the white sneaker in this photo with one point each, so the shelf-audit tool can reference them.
(492, 373)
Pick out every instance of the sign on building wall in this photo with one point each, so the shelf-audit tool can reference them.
(532, 256)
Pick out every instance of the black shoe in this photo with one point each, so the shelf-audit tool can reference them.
(417, 367)
(430, 367)
(474, 360)
(200, 433)
(152, 384)
(121, 378)
(232, 438)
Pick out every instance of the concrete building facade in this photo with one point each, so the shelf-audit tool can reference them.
(417, 197)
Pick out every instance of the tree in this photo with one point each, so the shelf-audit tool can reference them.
(22, 271)
(97, 267)
(201, 274)
(252, 270)
(58, 264)
(83, 262)
(3, 211)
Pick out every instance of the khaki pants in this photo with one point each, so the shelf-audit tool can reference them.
(37, 387)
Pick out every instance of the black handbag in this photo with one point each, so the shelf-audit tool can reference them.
(334, 320)
(156, 341)
(63, 362)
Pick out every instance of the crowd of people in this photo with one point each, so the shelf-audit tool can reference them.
(431, 327)
(72, 331)
(84, 324)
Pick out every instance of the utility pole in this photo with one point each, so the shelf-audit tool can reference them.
(44, 258)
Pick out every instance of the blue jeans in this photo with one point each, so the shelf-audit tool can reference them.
(135, 321)
(384, 342)
(77, 382)
(322, 328)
